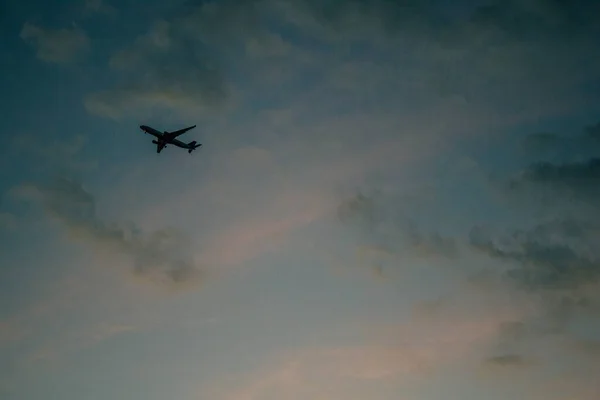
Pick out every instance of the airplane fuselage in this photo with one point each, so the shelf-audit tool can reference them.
(164, 138)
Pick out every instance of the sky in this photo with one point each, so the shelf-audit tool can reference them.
(393, 200)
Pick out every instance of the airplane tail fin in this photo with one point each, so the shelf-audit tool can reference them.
(193, 146)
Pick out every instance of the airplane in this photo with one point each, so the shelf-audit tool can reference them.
(165, 138)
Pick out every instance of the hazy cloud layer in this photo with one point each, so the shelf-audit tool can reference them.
(192, 60)
(298, 101)
(160, 256)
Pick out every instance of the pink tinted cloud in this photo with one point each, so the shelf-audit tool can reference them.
(244, 240)
(412, 350)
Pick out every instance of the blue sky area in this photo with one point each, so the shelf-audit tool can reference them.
(393, 200)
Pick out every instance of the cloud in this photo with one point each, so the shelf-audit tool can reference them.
(579, 180)
(64, 153)
(483, 57)
(106, 331)
(384, 221)
(508, 361)
(10, 332)
(61, 343)
(8, 221)
(555, 255)
(160, 256)
(249, 238)
(77, 339)
(162, 70)
(542, 142)
(502, 45)
(99, 7)
(409, 352)
(557, 251)
(59, 46)
(593, 131)
(566, 171)
(547, 249)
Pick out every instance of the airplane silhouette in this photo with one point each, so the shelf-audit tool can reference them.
(165, 138)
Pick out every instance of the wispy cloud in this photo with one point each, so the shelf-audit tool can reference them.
(101, 7)
(249, 239)
(58, 46)
(565, 169)
(58, 348)
(551, 257)
(158, 257)
(381, 216)
(579, 180)
(63, 154)
(508, 361)
(555, 255)
(556, 251)
(177, 76)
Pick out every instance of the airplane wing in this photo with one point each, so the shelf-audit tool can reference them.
(174, 134)
(151, 131)
(160, 146)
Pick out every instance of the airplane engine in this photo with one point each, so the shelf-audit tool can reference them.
(155, 141)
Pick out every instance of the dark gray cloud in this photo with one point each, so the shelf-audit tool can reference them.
(360, 209)
(555, 255)
(540, 142)
(161, 256)
(593, 131)
(560, 178)
(551, 142)
(576, 179)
